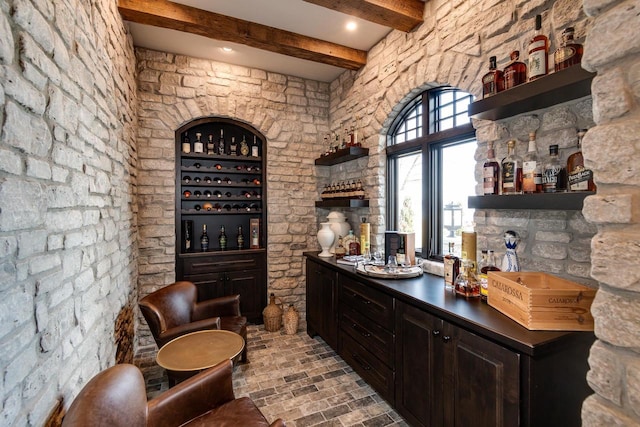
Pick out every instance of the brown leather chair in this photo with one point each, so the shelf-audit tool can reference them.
(174, 311)
(116, 397)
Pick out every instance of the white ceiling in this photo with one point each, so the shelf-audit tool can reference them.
(296, 16)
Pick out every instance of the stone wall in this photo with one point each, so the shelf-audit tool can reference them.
(452, 48)
(612, 147)
(291, 112)
(67, 199)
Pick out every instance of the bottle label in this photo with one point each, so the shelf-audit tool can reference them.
(563, 54)
(186, 147)
(489, 180)
(550, 179)
(579, 179)
(537, 60)
(508, 175)
(529, 167)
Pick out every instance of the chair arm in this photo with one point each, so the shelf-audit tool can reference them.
(192, 397)
(200, 325)
(222, 306)
(278, 423)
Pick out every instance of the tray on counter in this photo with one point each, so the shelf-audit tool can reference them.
(381, 272)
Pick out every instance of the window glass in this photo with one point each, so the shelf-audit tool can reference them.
(431, 176)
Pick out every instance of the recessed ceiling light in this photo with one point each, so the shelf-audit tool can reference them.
(351, 26)
(227, 49)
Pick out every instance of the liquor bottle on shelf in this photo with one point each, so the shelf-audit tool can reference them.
(538, 52)
(233, 147)
(222, 149)
(531, 168)
(211, 146)
(487, 264)
(254, 147)
(204, 239)
(244, 147)
(516, 72)
(511, 170)
(255, 243)
(186, 144)
(554, 177)
(491, 172)
(198, 146)
(569, 53)
(466, 284)
(222, 238)
(451, 267)
(187, 227)
(240, 238)
(493, 81)
(359, 190)
(578, 177)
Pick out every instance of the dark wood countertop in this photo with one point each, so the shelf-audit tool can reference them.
(427, 292)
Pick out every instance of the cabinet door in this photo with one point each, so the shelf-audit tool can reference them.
(321, 303)
(482, 388)
(249, 284)
(419, 366)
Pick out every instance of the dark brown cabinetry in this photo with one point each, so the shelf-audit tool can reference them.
(322, 303)
(222, 187)
(366, 335)
(442, 360)
(464, 379)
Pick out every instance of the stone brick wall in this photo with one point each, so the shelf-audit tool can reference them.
(289, 111)
(612, 147)
(452, 48)
(67, 199)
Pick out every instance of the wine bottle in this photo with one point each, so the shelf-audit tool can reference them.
(233, 147)
(240, 238)
(493, 81)
(222, 238)
(555, 174)
(222, 149)
(244, 147)
(254, 147)
(254, 238)
(516, 72)
(204, 239)
(186, 144)
(578, 177)
(198, 146)
(491, 172)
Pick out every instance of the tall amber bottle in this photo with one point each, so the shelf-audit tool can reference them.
(516, 72)
(569, 53)
(538, 52)
(579, 178)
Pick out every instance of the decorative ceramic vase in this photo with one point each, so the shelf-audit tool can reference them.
(510, 261)
(325, 238)
(339, 225)
(272, 315)
(291, 318)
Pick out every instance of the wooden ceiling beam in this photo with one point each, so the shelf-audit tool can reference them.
(403, 15)
(175, 16)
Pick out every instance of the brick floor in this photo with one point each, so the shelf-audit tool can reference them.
(299, 379)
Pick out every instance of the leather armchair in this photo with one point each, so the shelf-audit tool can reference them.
(174, 311)
(116, 397)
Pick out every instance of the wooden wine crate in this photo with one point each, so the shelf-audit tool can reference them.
(541, 301)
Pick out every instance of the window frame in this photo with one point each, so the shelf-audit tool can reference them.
(430, 144)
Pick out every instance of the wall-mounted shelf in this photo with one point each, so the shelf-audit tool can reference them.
(343, 203)
(548, 201)
(342, 155)
(562, 86)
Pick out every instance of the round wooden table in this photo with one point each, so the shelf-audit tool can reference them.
(189, 354)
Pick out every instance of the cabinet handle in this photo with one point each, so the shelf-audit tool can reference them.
(361, 331)
(446, 338)
(435, 332)
(360, 362)
(361, 298)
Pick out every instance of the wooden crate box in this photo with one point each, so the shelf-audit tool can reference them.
(541, 301)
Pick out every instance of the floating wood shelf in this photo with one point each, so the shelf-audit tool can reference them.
(342, 155)
(548, 201)
(343, 203)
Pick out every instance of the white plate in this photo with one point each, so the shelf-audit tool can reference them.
(380, 272)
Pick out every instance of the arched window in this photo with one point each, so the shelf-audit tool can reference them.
(430, 164)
